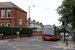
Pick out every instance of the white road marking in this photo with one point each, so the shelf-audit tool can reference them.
(32, 39)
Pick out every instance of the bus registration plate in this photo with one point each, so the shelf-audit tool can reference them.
(47, 37)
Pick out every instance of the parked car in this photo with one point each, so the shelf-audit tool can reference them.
(62, 34)
(66, 34)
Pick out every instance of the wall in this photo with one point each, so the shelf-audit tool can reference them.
(15, 16)
(23, 16)
(10, 37)
(7, 20)
(15, 36)
(37, 34)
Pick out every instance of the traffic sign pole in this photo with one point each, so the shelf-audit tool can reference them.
(64, 24)
(20, 23)
(20, 31)
(64, 34)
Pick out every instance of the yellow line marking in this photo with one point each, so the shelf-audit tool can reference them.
(29, 45)
(41, 47)
(18, 49)
(48, 49)
(64, 48)
(13, 46)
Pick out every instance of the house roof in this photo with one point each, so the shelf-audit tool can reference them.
(10, 5)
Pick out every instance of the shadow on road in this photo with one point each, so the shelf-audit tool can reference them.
(52, 40)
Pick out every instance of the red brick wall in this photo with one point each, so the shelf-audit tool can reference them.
(0, 37)
(0, 13)
(7, 20)
(14, 36)
(37, 33)
(15, 16)
(23, 16)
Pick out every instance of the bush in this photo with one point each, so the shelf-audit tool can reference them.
(13, 30)
(35, 31)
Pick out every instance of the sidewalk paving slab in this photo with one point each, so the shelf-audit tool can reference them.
(71, 43)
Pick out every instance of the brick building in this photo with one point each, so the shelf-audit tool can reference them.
(11, 13)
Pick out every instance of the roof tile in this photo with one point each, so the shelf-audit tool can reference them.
(10, 5)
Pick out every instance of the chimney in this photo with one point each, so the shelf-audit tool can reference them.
(33, 20)
(29, 18)
(41, 23)
(38, 22)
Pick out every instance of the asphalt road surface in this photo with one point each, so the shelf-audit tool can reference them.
(32, 44)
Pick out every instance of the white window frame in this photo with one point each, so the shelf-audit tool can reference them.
(8, 23)
(2, 13)
(7, 13)
(2, 23)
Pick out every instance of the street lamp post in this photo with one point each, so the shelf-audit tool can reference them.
(54, 23)
(29, 17)
(29, 9)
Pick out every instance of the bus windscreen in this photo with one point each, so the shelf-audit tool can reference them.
(48, 26)
(49, 30)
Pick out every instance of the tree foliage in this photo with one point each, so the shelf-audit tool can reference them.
(67, 11)
(62, 30)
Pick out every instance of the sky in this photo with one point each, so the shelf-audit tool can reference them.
(44, 10)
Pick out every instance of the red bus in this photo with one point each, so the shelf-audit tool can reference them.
(50, 32)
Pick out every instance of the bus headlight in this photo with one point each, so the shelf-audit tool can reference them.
(42, 36)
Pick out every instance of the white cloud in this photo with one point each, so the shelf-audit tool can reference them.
(44, 10)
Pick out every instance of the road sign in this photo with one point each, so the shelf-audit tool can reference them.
(20, 28)
(20, 21)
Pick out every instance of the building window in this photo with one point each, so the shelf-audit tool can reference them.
(32, 25)
(8, 13)
(2, 13)
(8, 24)
(2, 24)
(36, 25)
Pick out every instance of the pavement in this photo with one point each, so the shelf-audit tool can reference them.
(17, 39)
(71, 43)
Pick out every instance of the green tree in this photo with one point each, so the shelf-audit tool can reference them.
(67, 11)
(62, 30)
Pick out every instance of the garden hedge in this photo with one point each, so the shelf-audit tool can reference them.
(6, 31)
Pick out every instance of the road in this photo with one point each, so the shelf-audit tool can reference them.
(32, 44)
